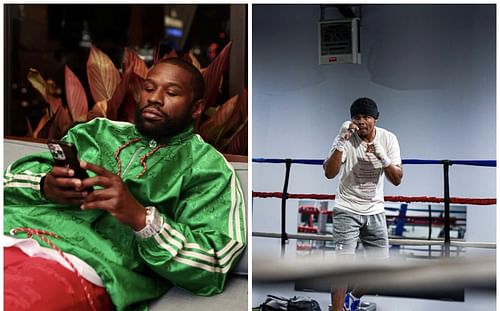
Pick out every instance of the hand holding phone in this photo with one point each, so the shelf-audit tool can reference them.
(66, 155)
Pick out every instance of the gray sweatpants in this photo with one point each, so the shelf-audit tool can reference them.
(370, 230)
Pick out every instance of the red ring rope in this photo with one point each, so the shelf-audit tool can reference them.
(471, 201)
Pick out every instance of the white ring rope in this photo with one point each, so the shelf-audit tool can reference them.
(319, 237)
(393, 273)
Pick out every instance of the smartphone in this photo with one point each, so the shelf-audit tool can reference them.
(66, 155)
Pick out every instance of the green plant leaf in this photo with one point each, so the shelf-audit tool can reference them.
(47, 89)
(102, 75)
(75, 96)
(213, 75)
(38, 82)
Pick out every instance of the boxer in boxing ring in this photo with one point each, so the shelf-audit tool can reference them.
(362, 155)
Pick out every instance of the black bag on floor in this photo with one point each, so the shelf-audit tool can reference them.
(297, 303)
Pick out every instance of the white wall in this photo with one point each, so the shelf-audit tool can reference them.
(431, 70)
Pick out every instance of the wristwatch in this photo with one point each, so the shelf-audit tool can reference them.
(154, 223)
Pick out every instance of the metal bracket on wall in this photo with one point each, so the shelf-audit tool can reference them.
(347, 11)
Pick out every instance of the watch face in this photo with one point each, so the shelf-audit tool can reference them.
(153, 217)
(150, 215)
(154, 223)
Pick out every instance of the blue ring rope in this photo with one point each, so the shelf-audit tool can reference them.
(489, 163)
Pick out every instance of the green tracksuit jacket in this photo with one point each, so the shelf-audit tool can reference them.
(190, 183)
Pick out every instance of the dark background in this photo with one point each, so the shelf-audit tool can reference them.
(48, 36)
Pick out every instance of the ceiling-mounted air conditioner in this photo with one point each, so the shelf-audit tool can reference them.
(339, 41)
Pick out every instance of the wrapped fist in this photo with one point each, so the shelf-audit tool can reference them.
(379, 151)
(345, 133)
(347, 130)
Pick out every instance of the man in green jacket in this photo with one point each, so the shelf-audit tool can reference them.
(167, 208)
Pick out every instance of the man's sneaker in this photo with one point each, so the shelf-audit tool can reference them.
(351, 303)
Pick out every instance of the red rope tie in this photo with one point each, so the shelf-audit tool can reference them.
(42, 235)
(117, 154)
(143, 159)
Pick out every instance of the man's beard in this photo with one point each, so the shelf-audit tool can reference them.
(165, 128)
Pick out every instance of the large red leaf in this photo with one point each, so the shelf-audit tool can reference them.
(213, 75)
(156, 54)
(243, 105)
(191, 58)
(157, 57)
(171, 54)
(130, 86)
(47, 120)
(135, 72)
(132, 98)
(237, 139)
(62, 122)
(121, 90)
(102, 75)
(42, 124)
(212, 130)
(238, 143)
(132, 60)
(75, 96)
(98, 110)
(226, 122)
(135, 87)
(52, 95)
(28, 126)
(127, 109)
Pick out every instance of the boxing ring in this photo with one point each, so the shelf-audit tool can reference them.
(449, 271)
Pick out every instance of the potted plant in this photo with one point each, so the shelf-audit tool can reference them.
(115, 94)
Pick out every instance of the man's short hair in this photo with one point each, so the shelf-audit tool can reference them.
(196, 76)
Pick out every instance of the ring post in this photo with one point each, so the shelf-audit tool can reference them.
(284, 237)
(447, 240)
(400, 221)
(429, 235)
